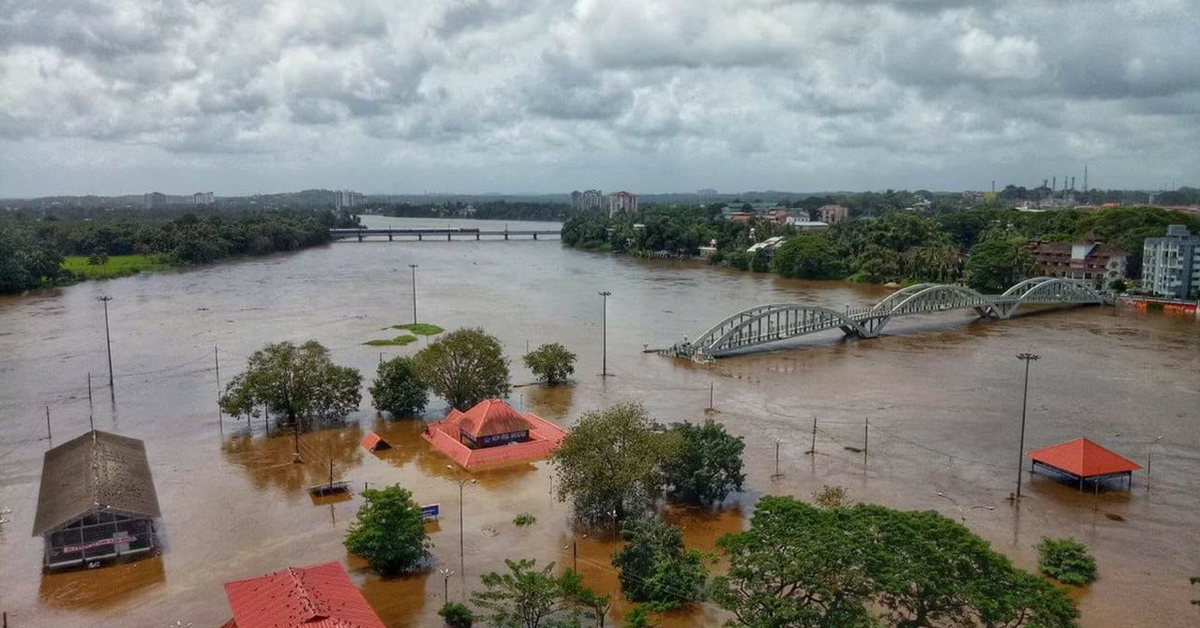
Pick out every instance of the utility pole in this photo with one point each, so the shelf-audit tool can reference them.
(1026, 358)
(413, 267)
(604, 334)
(777, 473)
(220, 415)
(711, 385)
(107, 340)
(462, 554)
(89, 391)
(813, 449)
(866, 437)
(48, 436)
(296, 435)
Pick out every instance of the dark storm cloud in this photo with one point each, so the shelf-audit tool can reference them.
(652, 93)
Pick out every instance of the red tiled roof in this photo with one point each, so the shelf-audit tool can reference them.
(321, 596)
(544, 439)
(1083, 458)
(373, 441)
(491, 417)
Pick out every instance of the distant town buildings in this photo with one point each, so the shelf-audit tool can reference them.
(344, 199)
(202, 198)
(706, 192)
(833, 214)
(1094, 263)
(587, 200)
(622, 202)
(1171, 264)
(154, 200)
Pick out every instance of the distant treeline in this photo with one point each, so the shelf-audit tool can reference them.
(491, 210)
(33, 243)
(985, 246)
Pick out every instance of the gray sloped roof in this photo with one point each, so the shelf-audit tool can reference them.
(96, 471)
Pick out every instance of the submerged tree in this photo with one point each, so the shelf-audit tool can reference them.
(707, 466)
(526, 597)
(611, 463)
(294, 384)
(389, 531)
(464, 367)
(551, 363)
(397, 389)
(656, 567)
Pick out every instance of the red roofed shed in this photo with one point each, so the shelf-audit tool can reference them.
(321, 596)
(1083, 459)
(493, 433)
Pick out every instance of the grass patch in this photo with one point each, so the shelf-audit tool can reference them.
(524, 519)
(397, 341)
(116, 266)
(421, 329)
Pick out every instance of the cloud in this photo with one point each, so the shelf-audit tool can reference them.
(477, 95)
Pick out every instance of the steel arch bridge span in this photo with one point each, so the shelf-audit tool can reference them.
(765, 324)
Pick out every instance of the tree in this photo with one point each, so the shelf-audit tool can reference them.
(656, 567)
(639, 617)
(389, 531)
(809, 256)
(997, 263)
(26, 263)
(397, 389)
(594, 606)
(1066, 560)
(707, 465)
(830, 497)
(551, 363)
(294, 383)
(525, 597)
(800, 566)
(612, 462)
(456, 615)
(464, 367)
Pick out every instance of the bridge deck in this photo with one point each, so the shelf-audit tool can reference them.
(449, 233)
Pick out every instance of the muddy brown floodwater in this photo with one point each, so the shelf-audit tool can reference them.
(942, 394)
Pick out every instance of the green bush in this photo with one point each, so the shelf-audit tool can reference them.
(551, 362)
(457, 615)
(1066, 560)
(389, 531)
(524, 519)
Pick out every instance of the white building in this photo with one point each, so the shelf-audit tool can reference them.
(202, 198)
(1171, 264)
(343, 199)
(622, 202)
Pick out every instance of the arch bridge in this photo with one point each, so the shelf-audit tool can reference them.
(770, 323)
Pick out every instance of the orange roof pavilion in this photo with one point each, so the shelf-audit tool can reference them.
(1083, 459)
(493, 433)
(321, 596)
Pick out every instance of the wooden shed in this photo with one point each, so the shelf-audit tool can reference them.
(97, 501)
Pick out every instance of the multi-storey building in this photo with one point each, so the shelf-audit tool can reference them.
(202, 198)
(833, 214)
(343, 199)
(591, 199)
(1094, 263)
(154, 199)
(622, 202)
(1171, 264)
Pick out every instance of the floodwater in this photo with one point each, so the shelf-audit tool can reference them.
(943, 395)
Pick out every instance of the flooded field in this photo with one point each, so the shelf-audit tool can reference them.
(943, 394)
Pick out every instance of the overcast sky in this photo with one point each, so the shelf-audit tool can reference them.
(239, 96)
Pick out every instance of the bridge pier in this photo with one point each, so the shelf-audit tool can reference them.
(535, 235)
(447, 237)
(419, 237)
(389, 236)
(476, 235)
(506, 235)
(360, 236)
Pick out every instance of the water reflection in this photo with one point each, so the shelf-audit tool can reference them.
(97, 589)
(267, 461)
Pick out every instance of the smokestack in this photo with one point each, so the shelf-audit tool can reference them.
(1072, 183)
(1085, 178)
(993, 186)
(1054, 188)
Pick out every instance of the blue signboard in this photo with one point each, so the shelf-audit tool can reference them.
(431, 511)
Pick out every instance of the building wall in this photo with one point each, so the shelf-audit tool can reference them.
(1096, 264)
(833, 214)
(1171, 264)
(622, 202)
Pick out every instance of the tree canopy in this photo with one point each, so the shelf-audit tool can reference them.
(611, 463)
(655, 567)
(998, 263)
(464, 367)
(397, 389)
(552, 363)
(389, 531)
(524, 596)
(799, 566)
(293, 383)
(707, 465)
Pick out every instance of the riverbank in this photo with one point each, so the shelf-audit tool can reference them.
(111, 267)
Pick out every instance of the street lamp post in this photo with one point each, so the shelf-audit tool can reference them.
(462, 554)
(413, 267)
(604, 334)
(446, 573)
(1026, 358)
(962, 514)
(107, 339)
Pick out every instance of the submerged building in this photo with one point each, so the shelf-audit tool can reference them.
(321, 596)
(97, 501)
(1171, 264)
(493, 433)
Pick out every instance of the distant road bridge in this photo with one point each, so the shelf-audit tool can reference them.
(449, 233)
(766, 324)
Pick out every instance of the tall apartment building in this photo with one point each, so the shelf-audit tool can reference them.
(202, 198)
(154, 200)
(343, 199)
(622, 202)
(833, 214)
(588, 199)
(1095, 263)
(1171, 264)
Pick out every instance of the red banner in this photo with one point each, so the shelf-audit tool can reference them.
(70, 549)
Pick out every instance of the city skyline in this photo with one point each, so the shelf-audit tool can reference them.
(650, 96)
